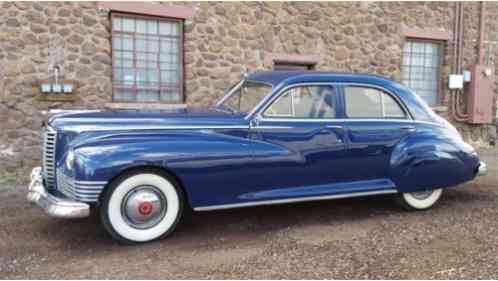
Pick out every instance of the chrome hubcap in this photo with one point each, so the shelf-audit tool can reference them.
(422, 195)
(144, 207)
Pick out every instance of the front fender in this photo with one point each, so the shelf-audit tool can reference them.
(103, 158)
(432, 158)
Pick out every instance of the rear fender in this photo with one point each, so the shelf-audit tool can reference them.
(432, 159)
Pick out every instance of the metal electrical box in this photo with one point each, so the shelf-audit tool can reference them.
(480, 94)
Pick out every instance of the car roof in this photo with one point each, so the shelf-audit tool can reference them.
(275, 78)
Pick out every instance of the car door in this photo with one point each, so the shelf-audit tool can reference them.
(376, 121)
(299, 143)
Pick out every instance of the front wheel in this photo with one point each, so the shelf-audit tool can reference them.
(421, 200)
(141, 207)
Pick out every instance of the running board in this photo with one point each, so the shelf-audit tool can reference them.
(294, 200)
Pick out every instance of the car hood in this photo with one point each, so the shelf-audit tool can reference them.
(103, 120)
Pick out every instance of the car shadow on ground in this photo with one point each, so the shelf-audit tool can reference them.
(203, 229)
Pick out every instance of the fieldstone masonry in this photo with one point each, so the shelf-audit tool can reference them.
(222, 40)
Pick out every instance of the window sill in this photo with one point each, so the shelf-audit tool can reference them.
(150, 106)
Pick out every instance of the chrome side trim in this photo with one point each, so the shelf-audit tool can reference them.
(321, 120)
(85, 191)
(263, 127)
(294, 200)
(80, 128)
(285, 120)
(334, 127)
(90, 182)
(83, 128)
(311, 120)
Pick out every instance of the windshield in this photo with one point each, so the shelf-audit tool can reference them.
(244, 96)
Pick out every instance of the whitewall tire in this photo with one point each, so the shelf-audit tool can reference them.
(421, 200)
(141, 206)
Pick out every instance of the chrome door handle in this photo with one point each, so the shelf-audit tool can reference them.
(333, 127)
(408, 128)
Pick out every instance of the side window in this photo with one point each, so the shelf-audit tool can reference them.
(304, 102)
(364, 102)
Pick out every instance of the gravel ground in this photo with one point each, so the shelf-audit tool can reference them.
(342, 239)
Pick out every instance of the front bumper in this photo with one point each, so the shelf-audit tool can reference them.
(482, 169)
(52, 205)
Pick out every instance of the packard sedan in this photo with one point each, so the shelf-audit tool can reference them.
(274, 138)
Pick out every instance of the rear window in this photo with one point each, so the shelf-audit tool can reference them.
(365, 102)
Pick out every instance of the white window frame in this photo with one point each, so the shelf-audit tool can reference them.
(160, 87)
(440, 47)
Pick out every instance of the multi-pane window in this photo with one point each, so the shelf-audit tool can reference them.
(363, 102)
(421, 69)
(305, 102)
(147, 59)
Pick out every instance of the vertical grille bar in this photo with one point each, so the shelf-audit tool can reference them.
(49, 140)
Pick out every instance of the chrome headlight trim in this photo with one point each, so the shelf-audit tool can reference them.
(70, 159)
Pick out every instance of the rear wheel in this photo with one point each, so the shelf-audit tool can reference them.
(421, 200)
(141, 207)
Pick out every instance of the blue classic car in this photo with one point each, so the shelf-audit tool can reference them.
(274, 138)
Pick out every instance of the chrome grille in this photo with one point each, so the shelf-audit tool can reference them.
(49, 141)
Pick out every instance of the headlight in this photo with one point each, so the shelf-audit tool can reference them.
(70, 160)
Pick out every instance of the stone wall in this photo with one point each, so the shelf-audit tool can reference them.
(27, 29)
(221, 41)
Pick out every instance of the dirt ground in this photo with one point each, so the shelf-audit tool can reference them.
(341, 239)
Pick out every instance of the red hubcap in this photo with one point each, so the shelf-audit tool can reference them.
(145, 208)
